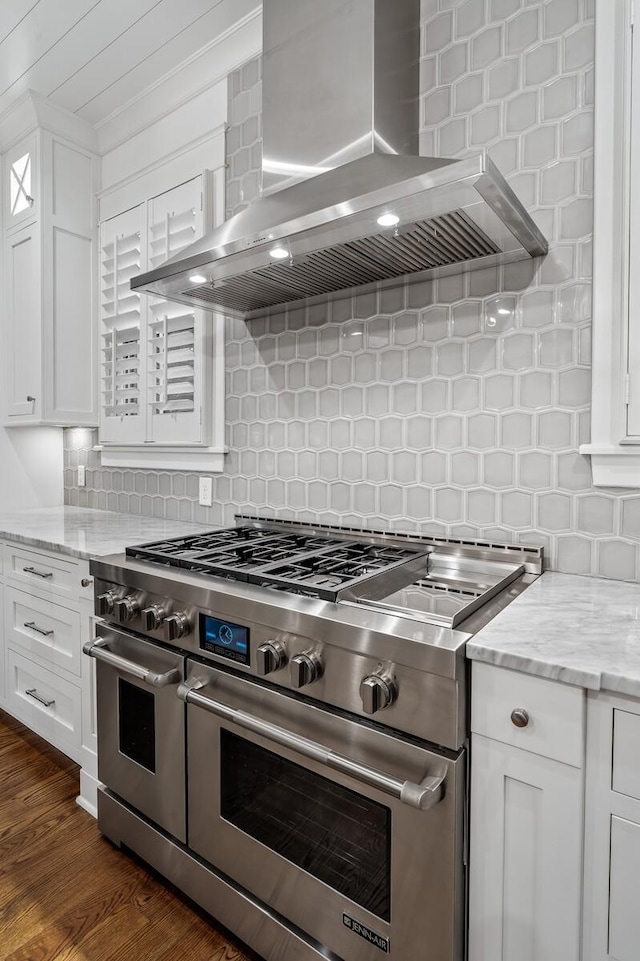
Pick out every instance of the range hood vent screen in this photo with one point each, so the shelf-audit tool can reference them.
(450, 239)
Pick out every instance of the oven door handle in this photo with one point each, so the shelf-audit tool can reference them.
(422, 796)
(98, 649)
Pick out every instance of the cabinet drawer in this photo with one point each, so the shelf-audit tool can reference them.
(48, 573)
(46, 632)
(626, 761)
(48, 704)
(555, 712)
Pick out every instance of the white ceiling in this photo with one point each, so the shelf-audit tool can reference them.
(94, 56)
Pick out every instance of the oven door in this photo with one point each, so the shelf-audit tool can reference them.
(141, 726)
(351, 834)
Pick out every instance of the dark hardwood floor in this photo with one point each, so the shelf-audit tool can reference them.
(68, 894)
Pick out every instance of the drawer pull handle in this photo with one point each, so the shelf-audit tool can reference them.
(34, 570)
(520, 717)
(39, 630)
(86, 581)
(41, 700)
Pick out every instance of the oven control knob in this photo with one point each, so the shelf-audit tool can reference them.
(176, 626)
(152, 617)
(105, 603)
(270, 657)
(305, 669)
(126, 608)
(377, 692)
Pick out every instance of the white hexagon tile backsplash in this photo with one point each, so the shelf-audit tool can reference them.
(457, 407)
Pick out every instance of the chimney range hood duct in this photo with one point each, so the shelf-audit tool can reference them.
(340, 142)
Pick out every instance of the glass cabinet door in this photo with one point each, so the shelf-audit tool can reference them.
(21, 184)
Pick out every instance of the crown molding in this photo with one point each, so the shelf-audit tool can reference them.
(32, 110)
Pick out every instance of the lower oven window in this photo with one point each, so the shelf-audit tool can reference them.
(337, 835)
(136, 724)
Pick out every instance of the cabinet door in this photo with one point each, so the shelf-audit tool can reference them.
(122, 369)
(525, 855)
(21, 185)
(23, 330)
(69, 301)
(176, 359)
(612, 836)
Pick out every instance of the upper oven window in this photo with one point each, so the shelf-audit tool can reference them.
(339, 836)
(136, 724)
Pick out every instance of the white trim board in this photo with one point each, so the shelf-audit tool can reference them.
(209, 459)
(615, 461)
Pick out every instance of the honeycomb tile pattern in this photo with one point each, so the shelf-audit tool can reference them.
(454, 407)
(244, 137)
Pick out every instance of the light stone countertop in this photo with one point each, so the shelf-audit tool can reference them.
(86, 533)
(584, 631)
(581, 630)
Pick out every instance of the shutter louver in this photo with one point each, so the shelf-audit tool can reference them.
(173, 392)
(172, 362)
(121, 369)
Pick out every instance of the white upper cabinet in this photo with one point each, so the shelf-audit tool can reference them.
(615, 412)
(49, 251)
(162, 370)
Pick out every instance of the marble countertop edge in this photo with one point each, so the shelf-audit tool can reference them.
(553, 671)
(620, 684)
(39, 543)
(85, 533)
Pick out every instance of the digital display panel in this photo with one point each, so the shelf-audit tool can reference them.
(224, 639)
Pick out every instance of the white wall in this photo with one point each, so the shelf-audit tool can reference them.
(31, 467)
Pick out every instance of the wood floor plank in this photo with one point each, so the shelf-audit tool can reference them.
(68, 894)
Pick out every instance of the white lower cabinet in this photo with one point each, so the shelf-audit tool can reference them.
(88, 798)
(45, 701)
(612, 846)
(526, 830)
(45, 683)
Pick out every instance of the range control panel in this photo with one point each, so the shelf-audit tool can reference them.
(225, 639)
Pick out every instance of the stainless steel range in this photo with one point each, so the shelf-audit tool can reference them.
(316, 677)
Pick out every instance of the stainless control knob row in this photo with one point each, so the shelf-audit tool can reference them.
(270, 657)
(377, 691)
(126, 608)
(305, 669)
(152, 617)
(176, 626)
(105, 603)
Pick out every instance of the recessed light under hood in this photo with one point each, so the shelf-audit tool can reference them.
(320, 238)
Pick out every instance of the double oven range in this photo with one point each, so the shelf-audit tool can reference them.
(282, 728)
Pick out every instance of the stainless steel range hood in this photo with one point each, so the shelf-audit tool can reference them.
(340, 134)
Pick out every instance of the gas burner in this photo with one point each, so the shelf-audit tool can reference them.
(315, 565)
(436, 580)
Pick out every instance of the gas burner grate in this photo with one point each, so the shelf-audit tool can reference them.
(312, 564)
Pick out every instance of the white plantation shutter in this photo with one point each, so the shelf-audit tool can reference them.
(121, 361)
(174, 332)
(161, 362)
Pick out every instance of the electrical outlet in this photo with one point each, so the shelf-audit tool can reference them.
(206, 492)
(82, 479)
